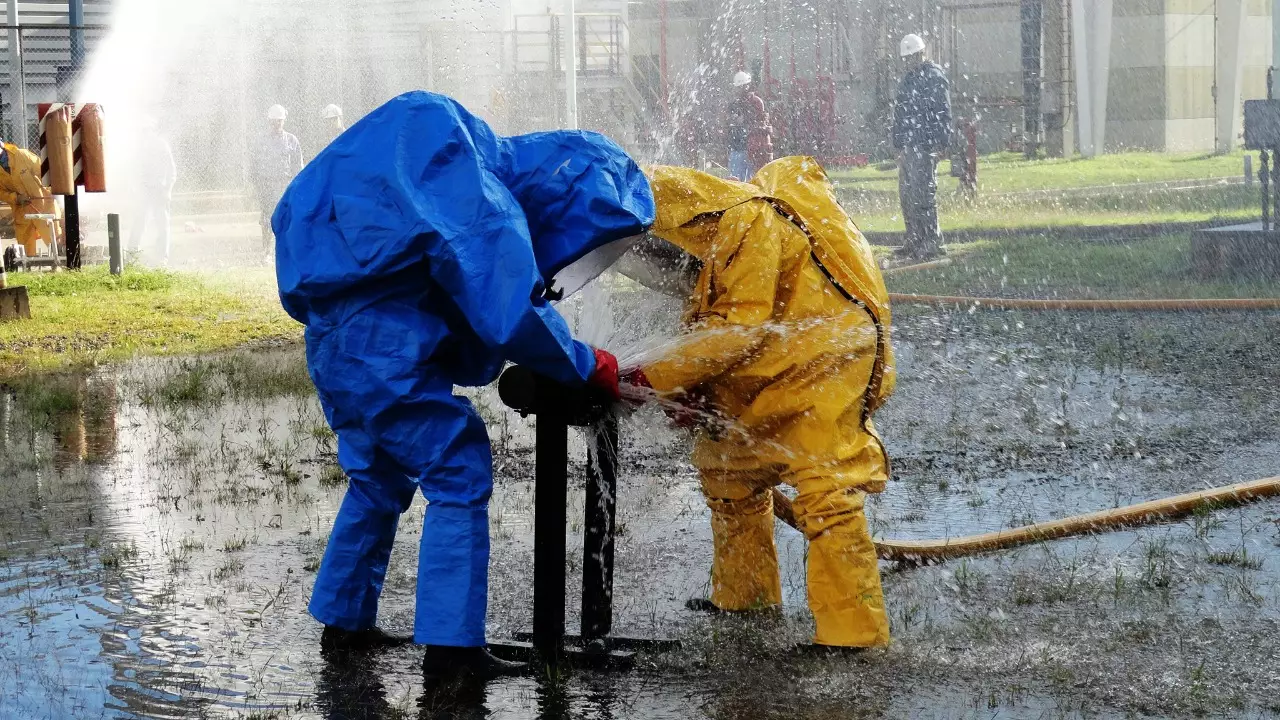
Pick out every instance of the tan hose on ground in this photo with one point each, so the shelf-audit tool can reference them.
(1087, 305)
(1145, 513)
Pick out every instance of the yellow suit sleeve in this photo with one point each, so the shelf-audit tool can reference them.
(735, 300)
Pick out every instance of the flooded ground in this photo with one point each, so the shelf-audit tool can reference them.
(163, 523)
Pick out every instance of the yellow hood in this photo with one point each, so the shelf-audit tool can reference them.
(690, 202)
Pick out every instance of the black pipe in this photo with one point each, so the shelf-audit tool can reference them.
(597, 544)
(551, 469)
(1264, 176)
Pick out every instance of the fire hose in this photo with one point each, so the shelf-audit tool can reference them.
(1146, 513)
(1159, 305)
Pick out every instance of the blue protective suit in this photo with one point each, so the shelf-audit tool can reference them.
(416, 249)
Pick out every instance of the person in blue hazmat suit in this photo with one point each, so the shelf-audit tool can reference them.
(421, 251)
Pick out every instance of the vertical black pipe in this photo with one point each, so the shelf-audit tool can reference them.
(72, 222)
(551, 469)
(597, 544)
(1264, 176)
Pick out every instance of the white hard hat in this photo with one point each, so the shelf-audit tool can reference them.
(330, 112)
(277, 112)
(911, 44)
(742, 78)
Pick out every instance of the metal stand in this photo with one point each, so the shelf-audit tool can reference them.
(557, 407)
(551, 477)
(597, 543)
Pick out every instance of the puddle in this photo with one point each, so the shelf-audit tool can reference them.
(163, 522)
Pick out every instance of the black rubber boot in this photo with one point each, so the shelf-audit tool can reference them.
(445, 662)
(335, 639)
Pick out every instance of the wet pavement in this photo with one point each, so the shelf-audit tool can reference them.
(163, 521)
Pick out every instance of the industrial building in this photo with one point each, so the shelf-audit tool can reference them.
(1052, 76)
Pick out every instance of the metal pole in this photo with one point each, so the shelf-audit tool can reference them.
(1275, 185)
(1264, 177)
(71, 211)
(570, 65)
(663, 28)
(17, 83)
(1275, 35)
(113, 244)
(597, 543)
(549, 521)
(75, 18)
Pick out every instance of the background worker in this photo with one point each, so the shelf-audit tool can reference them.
(750, 145)
(798, 354)
(419, 250)
(334, 125)
(278, 160)
(157, 175)
(23, 191)
(921, 133)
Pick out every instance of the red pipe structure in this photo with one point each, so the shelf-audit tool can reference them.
(662, 55)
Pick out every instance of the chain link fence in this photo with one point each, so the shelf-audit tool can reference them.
(53, 61)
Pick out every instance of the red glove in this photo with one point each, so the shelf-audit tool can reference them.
(605, 376)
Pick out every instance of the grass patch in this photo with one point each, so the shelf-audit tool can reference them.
(1016, 194)
(1235, 558)
(332, 477)
(1226, 203)
(1156, 267)
(88, 317)
(1009, 172)
(117, 554)
(203, 381)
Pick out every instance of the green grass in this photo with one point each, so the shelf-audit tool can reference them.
(89, 317)
(1093, 192)
(1008, 172)
(203, 381)
(1157, 267)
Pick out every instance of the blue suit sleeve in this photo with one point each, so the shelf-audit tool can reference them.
(489, 271)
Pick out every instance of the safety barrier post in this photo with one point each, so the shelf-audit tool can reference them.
(113, 244)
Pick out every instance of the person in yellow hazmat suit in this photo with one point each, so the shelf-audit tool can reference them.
(788, 341)
(22, 190)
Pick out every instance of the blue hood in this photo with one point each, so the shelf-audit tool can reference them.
(579, 191)
(421, 172)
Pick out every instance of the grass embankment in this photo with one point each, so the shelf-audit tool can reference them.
(1157, 267)
(1122, 189)
(1009, 172)
(88, 317)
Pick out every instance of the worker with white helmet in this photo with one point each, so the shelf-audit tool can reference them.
(278, 160)
(750, 146)
(157, 174)
(921, 132)
(333, 121)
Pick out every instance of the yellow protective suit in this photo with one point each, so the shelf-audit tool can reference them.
(22, 190)
(788, 336)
